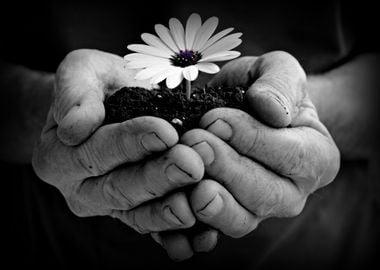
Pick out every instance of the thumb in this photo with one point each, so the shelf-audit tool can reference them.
(83, 80)
(276, 85)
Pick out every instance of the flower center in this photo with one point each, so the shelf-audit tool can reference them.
(185, 58)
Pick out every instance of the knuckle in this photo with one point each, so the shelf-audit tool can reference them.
(313, 167)
(293, 162)
(114, 195)
(269, 199)
(244, 229)
(293, 210)
(77, 208)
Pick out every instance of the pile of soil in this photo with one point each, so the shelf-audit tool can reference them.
(171, 104)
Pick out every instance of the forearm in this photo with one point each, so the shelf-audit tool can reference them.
(25, 99)
(345, 99)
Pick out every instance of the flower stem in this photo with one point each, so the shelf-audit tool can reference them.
(188, 89)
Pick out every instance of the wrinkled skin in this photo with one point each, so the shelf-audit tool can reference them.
(260, 165)
(110, 171)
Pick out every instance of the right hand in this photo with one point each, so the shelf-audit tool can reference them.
(109, 170)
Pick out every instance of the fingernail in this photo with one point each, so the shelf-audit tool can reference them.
(205, 151)
(271, 108)
(213, 207)
(171, 216)
(152, 142)
(221, 129)
(277, 98)
(176, 174)
(279, 101)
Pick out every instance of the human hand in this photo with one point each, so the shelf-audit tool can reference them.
(110, 170)
(257, 169)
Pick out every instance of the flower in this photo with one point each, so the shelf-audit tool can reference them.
(178, 53)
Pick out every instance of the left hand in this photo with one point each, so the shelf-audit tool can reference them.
(258, 169)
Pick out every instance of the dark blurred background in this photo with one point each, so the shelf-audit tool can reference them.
(319, 33)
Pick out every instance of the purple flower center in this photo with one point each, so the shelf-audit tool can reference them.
(185, 58)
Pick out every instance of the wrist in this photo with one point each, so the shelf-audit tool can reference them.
(345, 100)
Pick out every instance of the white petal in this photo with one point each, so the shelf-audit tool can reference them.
(174, 79)
(159, 77)
(192, 26)
(223, 45)
(216, 37)
(209, 68)
(150, 72)
(147, 62)
(164, 34)
(190, 73)
(139, 56)
(148, 50)
(222, 56)
(205, 32)
(154, 41)
(178, 33)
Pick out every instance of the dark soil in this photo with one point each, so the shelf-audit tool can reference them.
(171, 104)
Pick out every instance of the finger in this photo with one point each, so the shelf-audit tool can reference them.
(308, 157)
(258, 189)
(127, 187)
(177, 245)
(280, 87)
(276, 84)
(83, 79)
(215, 206)
(172, 213)
(156, 237)
(109, 147)
(205, 241)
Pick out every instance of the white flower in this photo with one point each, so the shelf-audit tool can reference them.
(178, 53)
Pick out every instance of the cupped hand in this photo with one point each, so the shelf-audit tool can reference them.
(260, 165)
(123, 170)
